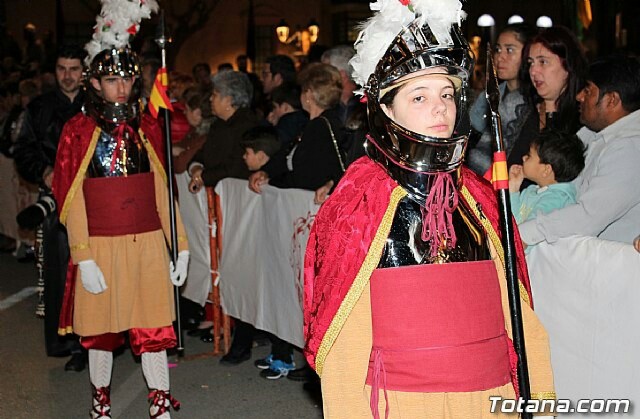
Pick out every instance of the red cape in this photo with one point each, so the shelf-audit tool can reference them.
(72, 155)
(77, 144)
(343, 234)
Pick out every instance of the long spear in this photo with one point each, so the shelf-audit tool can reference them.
(161, 40)
(501, 185)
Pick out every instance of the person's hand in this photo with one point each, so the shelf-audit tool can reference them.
(272, 118)
(179, 273)
(636, 243)
(322, 193)
(47, 176)
(516, 176)
(196, 180)
(257, 179)
(91, 276)
(524, 245)
(176, 151)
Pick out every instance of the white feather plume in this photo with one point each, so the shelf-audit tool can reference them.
(117, 21)
(377, 33)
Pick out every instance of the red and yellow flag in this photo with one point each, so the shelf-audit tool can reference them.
(159, 98)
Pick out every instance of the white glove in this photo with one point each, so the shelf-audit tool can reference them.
(91, 276)
(179, 273)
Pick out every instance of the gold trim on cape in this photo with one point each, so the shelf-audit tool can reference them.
(62, 331)
(153, 156)
(370, 263)
(77, 180)
(544, 395)
(493, 236)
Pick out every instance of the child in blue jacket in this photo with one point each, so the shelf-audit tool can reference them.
(554, 160)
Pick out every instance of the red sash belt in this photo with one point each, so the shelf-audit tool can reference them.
(121, 205)
(437, 328)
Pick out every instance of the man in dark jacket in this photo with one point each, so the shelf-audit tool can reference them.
(34, 155)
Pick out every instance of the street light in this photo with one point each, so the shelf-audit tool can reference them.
(314, 30)
(282, 30)
(544, 22)
(486, 21)
(515, 19)
(304, 38)
(487, 25)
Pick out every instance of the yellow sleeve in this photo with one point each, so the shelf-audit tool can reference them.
(162, 203)
(536, 343)
(538, 356)
(77, 228)
(345, 367)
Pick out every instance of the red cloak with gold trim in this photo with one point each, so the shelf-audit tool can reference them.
(75, 150)
(346, 241)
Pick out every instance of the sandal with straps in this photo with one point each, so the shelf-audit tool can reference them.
(163, 401)
(101, 403)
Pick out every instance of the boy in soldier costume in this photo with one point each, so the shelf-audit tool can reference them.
(112, 188)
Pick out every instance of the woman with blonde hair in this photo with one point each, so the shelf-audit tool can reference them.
(315, 161)
(318, 157)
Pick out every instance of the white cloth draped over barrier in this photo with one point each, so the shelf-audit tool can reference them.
(264, 237)
(586, 292)
(194, 212)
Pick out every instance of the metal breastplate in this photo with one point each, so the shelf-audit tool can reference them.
(131, 156)
(405, 246)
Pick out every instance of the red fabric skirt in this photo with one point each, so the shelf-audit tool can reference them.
(438, 328)
(141, 340)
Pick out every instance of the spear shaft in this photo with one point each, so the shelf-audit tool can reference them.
(162, 42)
(501, 185)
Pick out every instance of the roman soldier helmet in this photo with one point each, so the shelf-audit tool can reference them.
(403, 38)
(109, 54)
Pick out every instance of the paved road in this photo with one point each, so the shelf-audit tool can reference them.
(33, 385)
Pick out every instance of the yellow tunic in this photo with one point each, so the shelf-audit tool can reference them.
(139, 291)
(345, 394)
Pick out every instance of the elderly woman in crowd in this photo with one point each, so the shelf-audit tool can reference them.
(508, 60)
(221, 155)
(318, 158)
(316, 162)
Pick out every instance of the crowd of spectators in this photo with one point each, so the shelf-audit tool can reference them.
(300, 127)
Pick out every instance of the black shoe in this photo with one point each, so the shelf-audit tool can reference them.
(199, 332)
(264, 363)
(236, 357)
(207, 337)
(305, 374)
(77, 363)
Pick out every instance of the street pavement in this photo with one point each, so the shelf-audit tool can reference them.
(33, 385)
